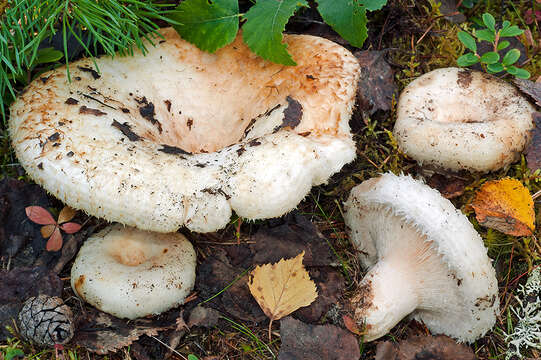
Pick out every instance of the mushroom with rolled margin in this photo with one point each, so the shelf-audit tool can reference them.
(457, 119)
(183, 137)
(424, 259)
(130, 273)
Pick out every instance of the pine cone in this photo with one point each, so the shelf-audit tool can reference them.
(46, 321)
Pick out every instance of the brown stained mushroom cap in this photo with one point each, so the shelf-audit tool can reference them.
(424, 258)
(460, 119)
(182, 137)
(131, 273)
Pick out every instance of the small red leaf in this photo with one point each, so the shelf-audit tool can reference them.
(55, 241)
(350, 324)
(70, 227)
(39, 215)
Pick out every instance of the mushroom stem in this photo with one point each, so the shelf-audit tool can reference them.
(386, 296)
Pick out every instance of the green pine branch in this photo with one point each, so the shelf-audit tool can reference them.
(112, 25)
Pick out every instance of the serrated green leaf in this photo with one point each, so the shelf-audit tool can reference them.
(511, 57)
(495, 68)
(489, 21)
(207, 25)
(503, 44)
(485, 35)
(347, 18)
(467, 60)
(511, 31)
(467, 40)
(372, 5)
(265, 22)
(521, 73)
(490, 57)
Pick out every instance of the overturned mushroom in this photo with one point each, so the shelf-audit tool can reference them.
(459, 119)
(424, 259)
(182, 137)
(131, 273)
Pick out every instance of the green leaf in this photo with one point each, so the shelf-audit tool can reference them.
(490, 57)
(511, 57)
(467, 40)
(47, 55)
(511, 31)
(521, 73)
(505, 24)
(485, 35)
(192, 357)
(503, 44)
(467, 60)
(12, 352)
(208, 25)
(489, 21)
(372, 5)
(347, 18)
(495, 68)
(265, 22)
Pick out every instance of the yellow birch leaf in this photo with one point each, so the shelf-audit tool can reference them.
(505, 205)
(282, 288)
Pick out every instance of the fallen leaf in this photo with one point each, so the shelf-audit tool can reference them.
(386, 350)
(530, 88)
(376, 85)
(51, 228)
(505, 205)
(39, 215)
(449, 186)
(282, 288)
(533, 151)
(204, 317)
(102, 333)
(449, 9)
(351, 325)
(316, 342)
(433, 347)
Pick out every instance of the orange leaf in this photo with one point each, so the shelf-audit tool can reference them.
(70, 227)
(47, 230)
(350, 324)
(66, 214)
(39, 215)
(505, 205)
(55, 241)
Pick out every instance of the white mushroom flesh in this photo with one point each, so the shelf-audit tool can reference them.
(131, 273)
(424, 259)
(182, 137)
(460, 119)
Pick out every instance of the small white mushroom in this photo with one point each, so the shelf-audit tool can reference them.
(131, 273)
(424, 259)
(183, 137)
(459, 119)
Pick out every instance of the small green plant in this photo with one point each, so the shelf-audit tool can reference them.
(211, 25)
(491, 61)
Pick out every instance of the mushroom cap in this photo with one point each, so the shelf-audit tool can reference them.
(459, 119)
(130, 273)
(460, 296)
(183, 137)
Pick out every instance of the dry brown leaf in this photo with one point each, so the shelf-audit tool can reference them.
(505, 205)
(282, 288)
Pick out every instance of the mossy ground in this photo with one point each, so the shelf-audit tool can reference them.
(418, 39)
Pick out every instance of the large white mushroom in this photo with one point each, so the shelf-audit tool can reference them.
(182, 137)
(424, 258)
(459, 119)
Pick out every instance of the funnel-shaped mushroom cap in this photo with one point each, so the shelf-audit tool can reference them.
(424, 258)
(182, 137)
(131, 273)
(461, 119)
